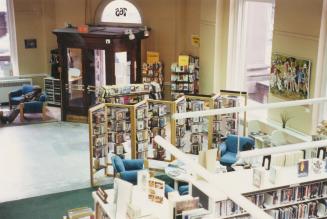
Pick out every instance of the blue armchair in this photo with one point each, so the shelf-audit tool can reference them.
(34, 106)
(229, 148)
(17, 96)
(127, 170)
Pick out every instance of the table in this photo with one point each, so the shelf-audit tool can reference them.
(178, 172)
(261, 139)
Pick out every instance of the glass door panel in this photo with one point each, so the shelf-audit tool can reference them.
(100, 67)
(122, 68)
(75, 79)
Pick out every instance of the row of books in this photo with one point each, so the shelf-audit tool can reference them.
(225, 124)
(290, 195)
(99, 138)
(181, 125)
(188, 78)
(150, 70)
(119, 127)
(184, 87)
(159, 114)
(114, 90)
(300, 211)
(142, 134)
(128, 99)
(190, 68)
(157, 88)
(227, 208)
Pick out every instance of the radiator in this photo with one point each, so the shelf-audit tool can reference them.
(9, 85)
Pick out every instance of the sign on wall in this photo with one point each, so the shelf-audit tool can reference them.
(195, 40)
(152, 57)
(121, 11)
(183, 60)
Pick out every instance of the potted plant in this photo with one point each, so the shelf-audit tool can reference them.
(284, 116)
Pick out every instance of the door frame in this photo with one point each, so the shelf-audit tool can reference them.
(237, 43)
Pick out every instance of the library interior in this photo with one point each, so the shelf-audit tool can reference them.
(165, 109)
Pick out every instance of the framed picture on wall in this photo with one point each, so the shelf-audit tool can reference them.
(290, 77)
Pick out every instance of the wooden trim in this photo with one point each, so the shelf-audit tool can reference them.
(21, 112)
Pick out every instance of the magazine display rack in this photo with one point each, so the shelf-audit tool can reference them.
(153, 74)
(199, 130)
(185, 78)
(160, 112)
(116, 129)
(98, 143)
(225, 124)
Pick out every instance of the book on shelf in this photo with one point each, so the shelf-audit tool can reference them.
(197, 213)
(185, 205)
(227, 208)
(291, 195)
(124, 94)
(153, 74)
(303, 168)
(258, 176)
(185, 78)
(80, 213)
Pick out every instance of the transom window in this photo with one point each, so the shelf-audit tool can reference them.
(121, 11)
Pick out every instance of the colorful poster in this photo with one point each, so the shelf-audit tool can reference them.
(290, 77)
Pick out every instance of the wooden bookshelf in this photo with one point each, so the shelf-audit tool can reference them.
(154, 75)
(161, 110)
(199, 103)
(185, 79)
(120, 133)
(98, 142)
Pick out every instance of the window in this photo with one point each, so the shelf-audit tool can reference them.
(8, 52)
(250, 47)
(121, 11)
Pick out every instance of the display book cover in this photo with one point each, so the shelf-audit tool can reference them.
(303, 168)
(187, 207)
(258, 177)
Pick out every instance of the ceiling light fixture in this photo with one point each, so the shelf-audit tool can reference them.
(146, 31)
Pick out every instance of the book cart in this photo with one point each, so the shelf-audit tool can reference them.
(124, 133)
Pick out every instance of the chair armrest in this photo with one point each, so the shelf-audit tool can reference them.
(33, 107)
(136, 164)
(43, 98)
(222, 148)
(129, 176)
(15, 93)
(224, 138)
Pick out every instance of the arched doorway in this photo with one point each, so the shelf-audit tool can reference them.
(109, 53)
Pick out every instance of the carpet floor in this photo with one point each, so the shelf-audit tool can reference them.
(53, 206)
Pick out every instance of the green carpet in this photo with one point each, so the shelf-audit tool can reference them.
(52, 206)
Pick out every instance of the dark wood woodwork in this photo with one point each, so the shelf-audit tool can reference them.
(98, 37)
